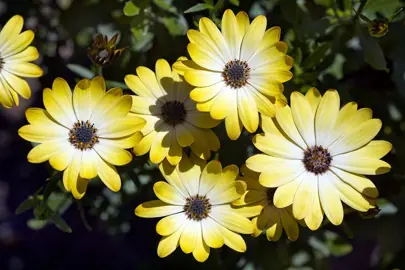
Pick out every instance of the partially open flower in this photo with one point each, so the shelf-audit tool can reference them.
(378, 27)
(103, 51)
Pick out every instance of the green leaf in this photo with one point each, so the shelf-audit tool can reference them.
(26, 205)
(337, 245)
(130, 9)
(60, 223)
(384, 7)
(234, 2)
(141, 39)
(176, 26)
(36, 224)
(199, 7)
(325, 3)
(112, 84)
(317, 55)
(166, 5)
(81, 71)
(219, 5)
(373, 54)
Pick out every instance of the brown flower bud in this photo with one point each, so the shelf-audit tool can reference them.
(103, 51)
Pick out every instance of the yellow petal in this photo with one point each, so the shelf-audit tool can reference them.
(148, 78)
(205, 57)
(201, 251)
(19, 85)
(170, 224)
(189, 236)
(11, 30)
(286, 122)
(86, 95)
(330, 200)
(120, 127)
(314, 97)
(113, 155)
(208, 28)
(277, 146)
(160, 147)
(168, 194)
(79, 188)
(314, 217)
(233, 124)
(125, 142)
(202, 78)
(184, 137)
(60, 109)
(229, 195)
(206, 93)
(326, 116)
(61, 160)
(43, 133)
(263, 103)
(374, 149)
(137, 86)
(304, 196)
(44, 151)
(253, 36)
(227, 217)
(168, 244)
(233, 240)
(359, 182)
(205, 42)
(247, 110)
(243, 23)
(271, 37)
(175, 152)
(23, 69)
(210, 175)
(88, 168)
(284, 195)
(164, 77)
(156, 208)
(222, 102)
(202, 120)
(225, 182)
(358, 137)
(21, 42)
(211, 233)
(109, 175)
(27, 55)
(303, 117)
(190, 175)
(289, 224)
(144, 145)
(205, 106)
(230, 30)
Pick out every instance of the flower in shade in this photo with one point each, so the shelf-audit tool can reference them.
(238, 71)
(83, 133)
(103, 51)
(15, 58)
(195, 203)
(257, 202)
(317, 154)
(172, 120)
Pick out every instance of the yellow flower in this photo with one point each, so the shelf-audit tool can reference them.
(171, 116)
(83, 134)
(257, 202)
(15, 58)
(316, 156)
(195, 202)
(237, 72)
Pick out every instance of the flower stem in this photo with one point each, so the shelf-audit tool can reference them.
(359, 10)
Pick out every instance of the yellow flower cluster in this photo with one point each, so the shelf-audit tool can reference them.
(314, 154)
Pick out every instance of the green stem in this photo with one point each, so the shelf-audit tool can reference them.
(99, 70)
(359, 11)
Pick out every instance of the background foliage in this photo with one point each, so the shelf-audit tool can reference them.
(332, 48)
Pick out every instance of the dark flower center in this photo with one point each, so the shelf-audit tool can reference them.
(83, 135)
(173, 112)
(1, 62)
(236, 73)
(197, 207)
(317, 159)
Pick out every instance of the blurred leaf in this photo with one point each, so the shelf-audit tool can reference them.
(81, 71)
(26, 205)
(317, 55)
(176, 26)
(36, 224)
(373, 53)
(234, 2)
(337, 245)
(219, 5)
(210, 2)
(166, 5)
(289, 9)
(60, 223)
(386, 207)
(384, 7)
(325, 3)
(64, 4)
(130, 9)
(112, 84)
(199, 7)
(142, 39)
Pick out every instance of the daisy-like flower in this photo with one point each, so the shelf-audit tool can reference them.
(317, 155)
(15, 58)
(172, 120)
(195, 202)
(237, 72)
(257, 202)
(83, 134)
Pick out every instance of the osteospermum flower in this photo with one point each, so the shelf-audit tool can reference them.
(15, 58)
(237, 72)
(257, 202)
(195, 202)
(172, 120)
(316, 156)
(83, 134)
